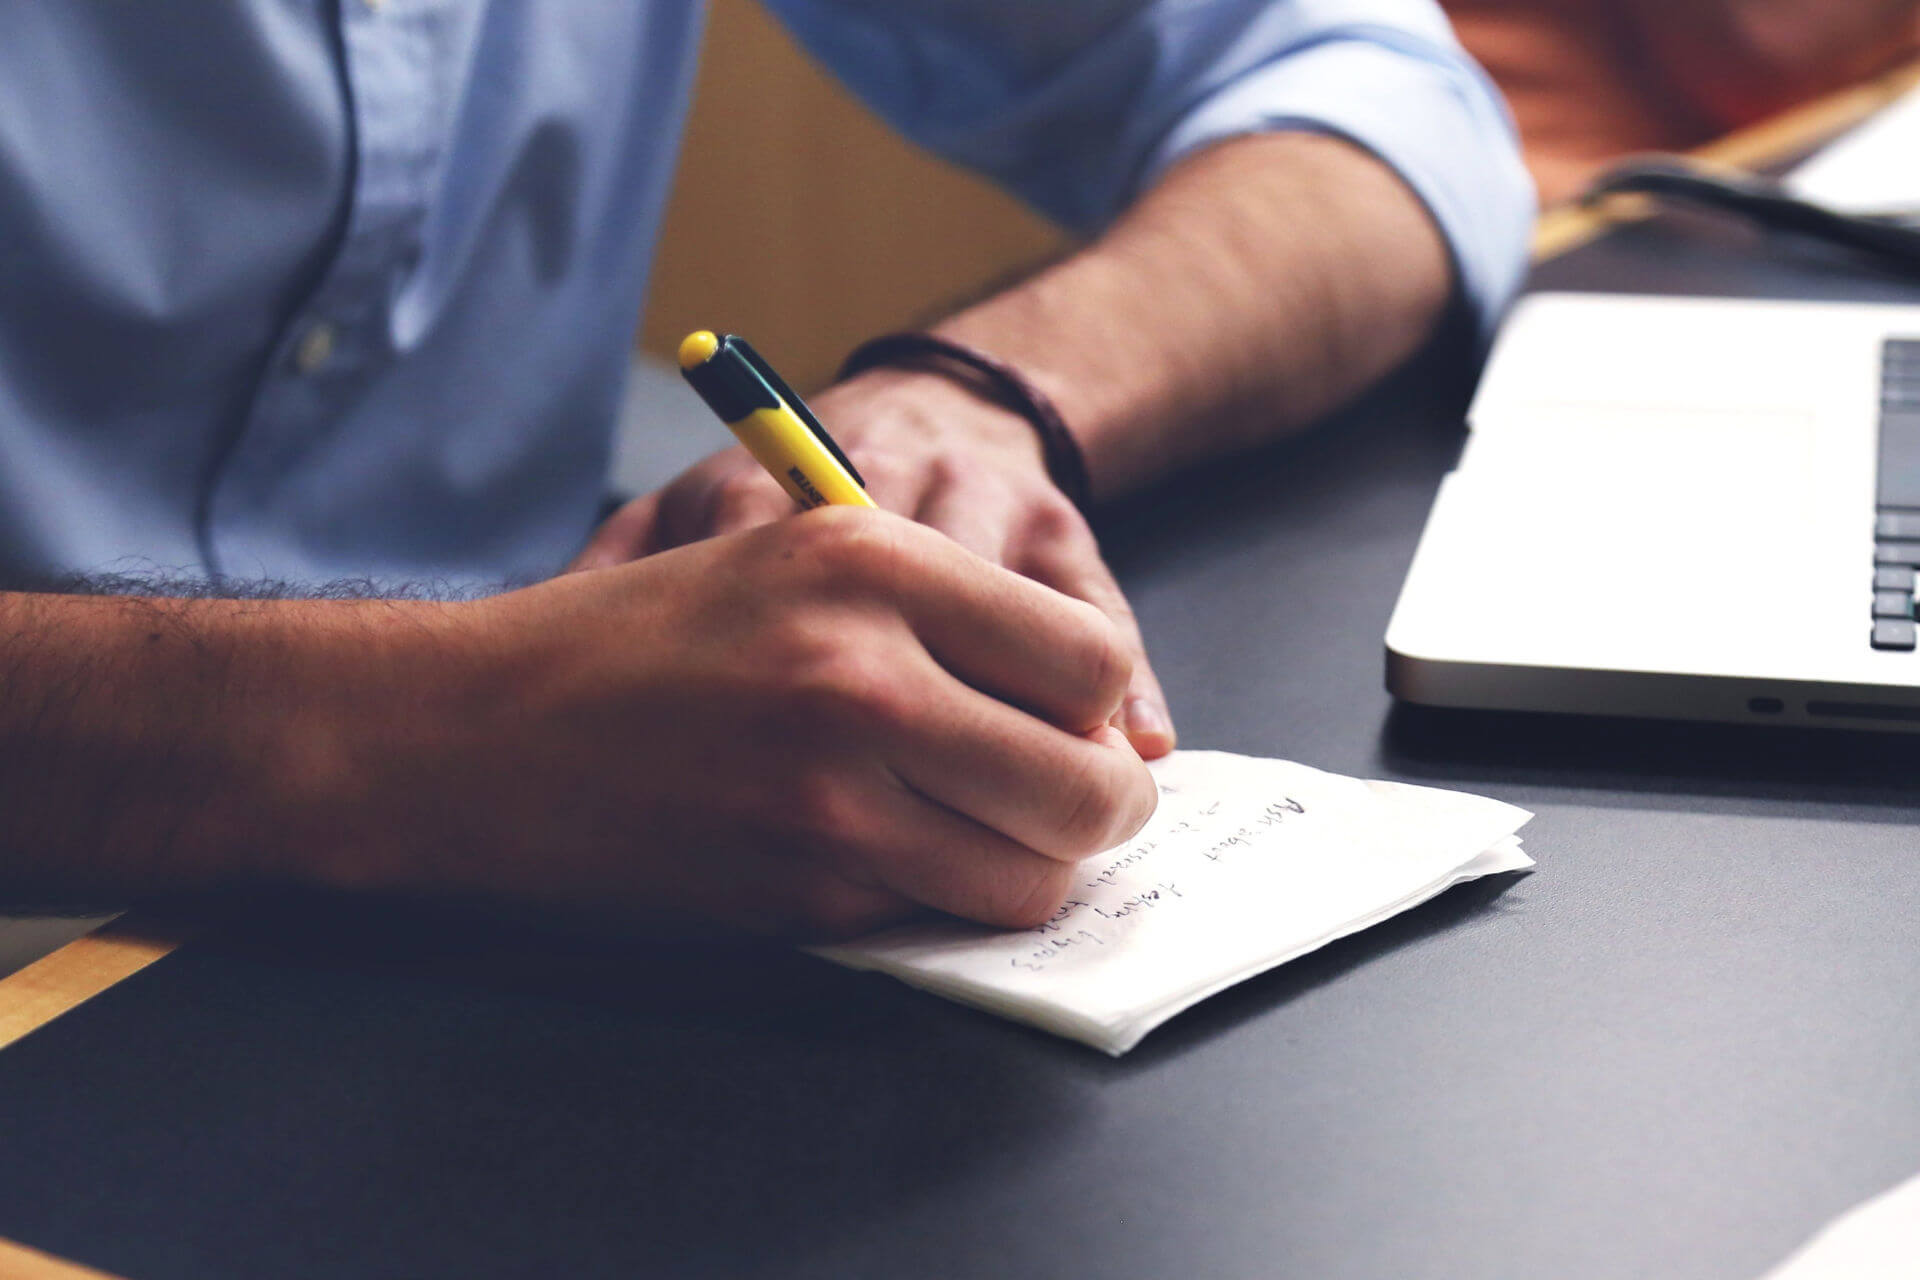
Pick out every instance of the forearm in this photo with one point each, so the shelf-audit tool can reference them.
(1261, 283)
(158, 745)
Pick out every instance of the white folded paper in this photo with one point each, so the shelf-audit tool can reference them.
(1878, 1240)
(1247, 864)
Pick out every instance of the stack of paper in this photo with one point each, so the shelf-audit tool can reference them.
(1247, 864)
(1878, 1240)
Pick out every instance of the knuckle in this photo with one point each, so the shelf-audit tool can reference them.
(1094, 812)
(1052, 518)
(801, 649)
(1107, 660)
(945, 471)
(742, 496)
(1032, 896)
(839, 684)
(886, 469)
(884, 703)
(850, 550)
(820, 809)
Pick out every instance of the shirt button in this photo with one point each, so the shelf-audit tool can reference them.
(314, 349)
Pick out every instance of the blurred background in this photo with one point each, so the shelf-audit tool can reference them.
(879, 234)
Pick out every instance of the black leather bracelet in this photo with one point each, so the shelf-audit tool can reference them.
(993, 380)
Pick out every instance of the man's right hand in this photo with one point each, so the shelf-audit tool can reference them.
(812, 727)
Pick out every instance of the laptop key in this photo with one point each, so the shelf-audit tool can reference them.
(1890, 633)
(1897, 524)
(1907, 553)
(1893, 604)
(1900, 458)
(1893, 578)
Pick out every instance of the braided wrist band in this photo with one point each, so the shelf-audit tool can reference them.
(995, 381)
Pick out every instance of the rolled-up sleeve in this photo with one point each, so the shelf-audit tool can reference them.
(1077, 105)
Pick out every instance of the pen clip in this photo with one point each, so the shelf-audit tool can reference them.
(799, 407)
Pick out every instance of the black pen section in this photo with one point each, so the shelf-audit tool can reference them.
(729, 385)
(793, 401)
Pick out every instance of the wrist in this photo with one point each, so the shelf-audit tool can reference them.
(159, 745)
(928, 408)
(993, 381)
(373, 694)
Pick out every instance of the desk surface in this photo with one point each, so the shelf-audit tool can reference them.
(1677, 1048)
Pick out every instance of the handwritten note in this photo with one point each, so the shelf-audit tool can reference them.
(1247, 864)
(1878, 1240)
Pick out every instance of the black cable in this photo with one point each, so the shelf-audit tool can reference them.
(1890, 239)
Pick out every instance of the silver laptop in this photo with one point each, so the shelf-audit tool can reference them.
(1684, 508)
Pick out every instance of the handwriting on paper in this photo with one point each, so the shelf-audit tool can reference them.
(1247, 864)
(1179, 843)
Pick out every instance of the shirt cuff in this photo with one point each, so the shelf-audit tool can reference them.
(1430, 116)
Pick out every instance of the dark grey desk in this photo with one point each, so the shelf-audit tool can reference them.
(1674, 1051)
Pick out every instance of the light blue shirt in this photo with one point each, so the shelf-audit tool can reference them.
(307, 290)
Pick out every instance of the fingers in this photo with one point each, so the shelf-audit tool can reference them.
(1005, 634)
(872, 846)
(893, 480)
(924, 851)
(1049, 542)
(625, 535)
(1076, 569)
(978, 520)
(1061, 795)
(744, 497)
(724, 493)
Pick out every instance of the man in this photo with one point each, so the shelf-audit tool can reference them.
(302, 293)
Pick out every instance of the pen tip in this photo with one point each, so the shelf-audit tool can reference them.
(698, 349)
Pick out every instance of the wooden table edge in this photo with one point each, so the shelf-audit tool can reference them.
(17, 1262)
(65, 979)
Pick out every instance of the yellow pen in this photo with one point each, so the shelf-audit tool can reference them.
(771, 421)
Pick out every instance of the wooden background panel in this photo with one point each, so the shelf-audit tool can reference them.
(801, 222)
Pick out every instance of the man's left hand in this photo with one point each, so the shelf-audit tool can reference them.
(932, 450)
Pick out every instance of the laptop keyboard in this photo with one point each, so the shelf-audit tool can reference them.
(1896, 525)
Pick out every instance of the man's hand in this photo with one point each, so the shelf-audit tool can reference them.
(931, 450)
(809, 728)
(1261, 283)
(812, 727)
